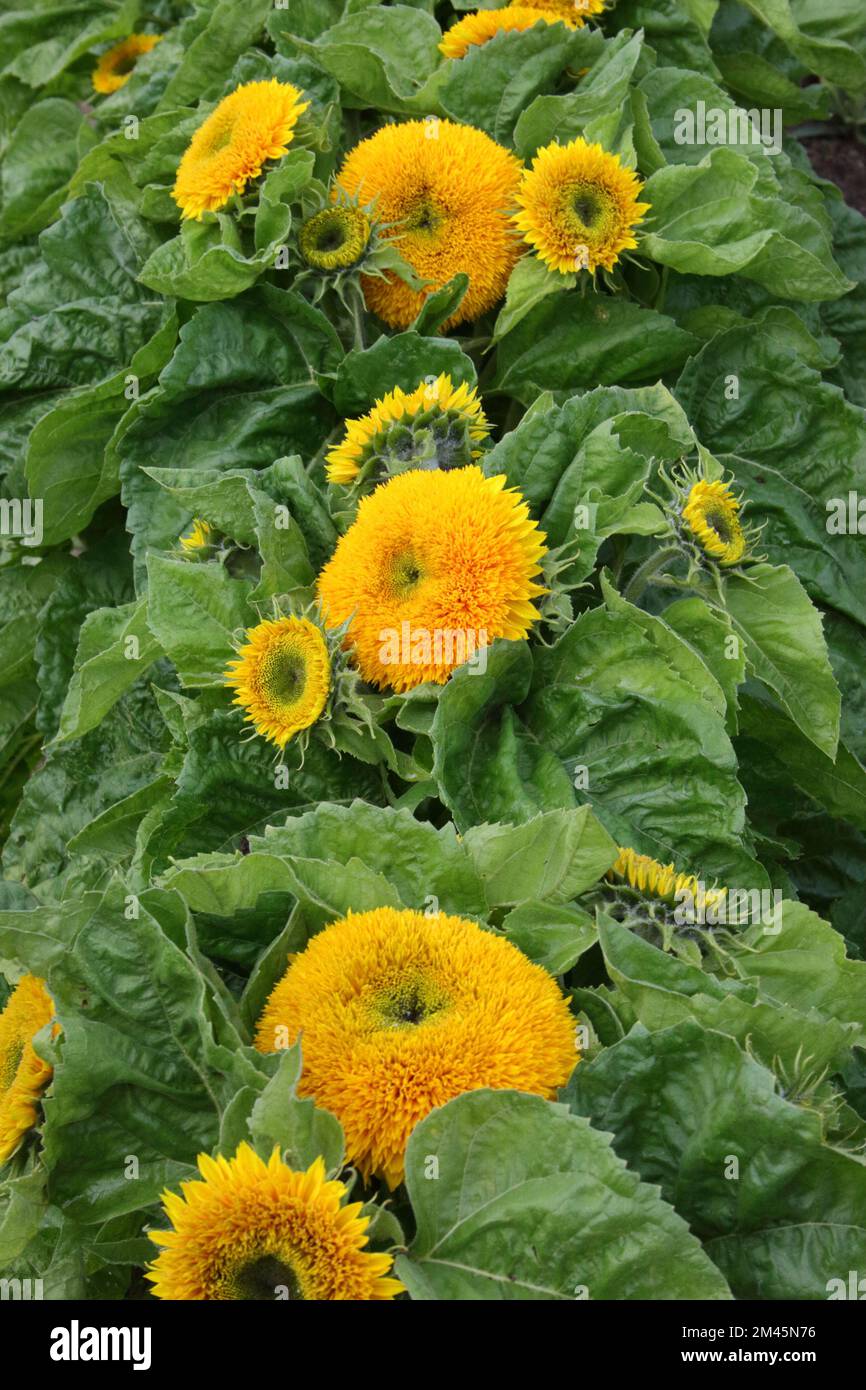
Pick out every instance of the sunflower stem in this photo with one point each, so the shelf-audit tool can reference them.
(645, 573)
(357, 318)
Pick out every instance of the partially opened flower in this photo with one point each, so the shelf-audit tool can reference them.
(663, 881)
(23, 1074)
(281, 677)
(198, 536)
(434, 567)
(444, 191)
(252, 125)
(116, 65)
(434, 426)
(579, 207)
(476, 29)
(711, 513)
(254, 1230)
(401, 1011)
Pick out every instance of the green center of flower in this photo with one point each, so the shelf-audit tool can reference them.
(425, 216)
(220, 137)
(719, 523)
(265, 1277)
(406, 574)
(284, 675)
(587, 211)
(408, 1003)
(10, 1063)
(334, 238)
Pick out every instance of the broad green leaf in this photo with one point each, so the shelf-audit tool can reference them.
(193, 611)
(550, 934)
(710, 633)
(664, 990)
(570, 343)
(778, 1210)
(708, 219)
(603, 88)
(240, 391)
(638, 724)
(146, 1066)
(800, 961)
(382, 56)
(210, 57)
(115, 647)
(528, 1202)
(39, 161)
(555, 856)
(785, 647)
(494, 82)
(367, 374)
(486, 764)
(302, 1131)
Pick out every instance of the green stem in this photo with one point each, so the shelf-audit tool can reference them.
(644, 574)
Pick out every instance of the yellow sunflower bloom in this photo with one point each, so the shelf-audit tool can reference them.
(115, 67)
(662, 881)
(400, 1012)
(578, 11)
(335, 238)
(476, 29)
(711, 514)
(282, 677)
(23, 1075)
(255, 1230)
(445, 409)
(255, 123)
(579, 206)
(434, 567)
(198, 535)
(444, 191)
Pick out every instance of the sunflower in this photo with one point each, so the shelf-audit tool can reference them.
(445, 191)
(23, 1074)
(256, 1230)
(198, 535)
(662, 881)
(282, 676)
(711, 514)
(256, 122)
(401, 1011)
(579, 206)
(476, 29)
(116, 65)
(577, 11)
(435, 566)
(432, 426)
(335, 238)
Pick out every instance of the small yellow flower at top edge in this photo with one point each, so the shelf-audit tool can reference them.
(116, 65)
(476, 29)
